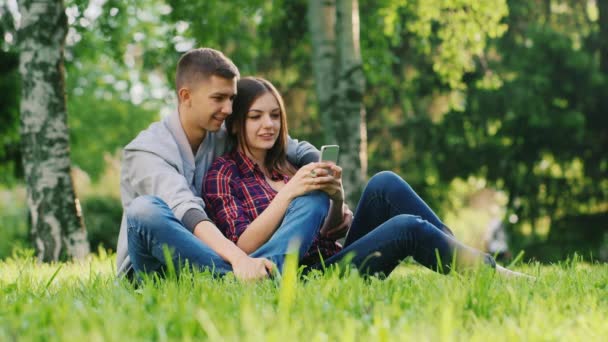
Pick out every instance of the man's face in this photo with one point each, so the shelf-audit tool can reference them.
(208, 103)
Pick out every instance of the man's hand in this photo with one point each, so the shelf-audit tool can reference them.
(340, 230)
(246, 268)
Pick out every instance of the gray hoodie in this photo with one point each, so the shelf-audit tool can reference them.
(160, 162)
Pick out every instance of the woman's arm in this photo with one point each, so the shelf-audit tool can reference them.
(261, 229)
(225, 205)
(300, 153)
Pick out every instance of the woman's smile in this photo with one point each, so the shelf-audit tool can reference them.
(267, 136)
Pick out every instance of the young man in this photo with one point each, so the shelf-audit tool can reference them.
(162, 173)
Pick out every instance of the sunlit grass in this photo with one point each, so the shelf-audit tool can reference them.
(84, 301)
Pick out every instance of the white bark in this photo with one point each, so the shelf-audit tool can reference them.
(322, 24)
(56, 225)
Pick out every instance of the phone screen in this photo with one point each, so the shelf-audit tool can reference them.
(330, 153)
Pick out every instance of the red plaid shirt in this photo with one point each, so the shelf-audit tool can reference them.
(236, 192)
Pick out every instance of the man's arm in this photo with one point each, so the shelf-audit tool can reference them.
(208, 233)
(300, 153)
(148, 174)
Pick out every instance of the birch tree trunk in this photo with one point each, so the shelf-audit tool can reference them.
(322, 25)
(339, 79)
(56, 223)
(350, 113)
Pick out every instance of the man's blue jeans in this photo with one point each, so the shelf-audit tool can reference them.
(152, 225)
(391, 223)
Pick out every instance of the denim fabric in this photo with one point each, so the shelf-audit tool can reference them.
(152, 225)
(391, 223)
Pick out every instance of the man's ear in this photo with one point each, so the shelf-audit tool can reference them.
(184, 95)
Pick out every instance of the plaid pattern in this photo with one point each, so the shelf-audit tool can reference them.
(236, 192)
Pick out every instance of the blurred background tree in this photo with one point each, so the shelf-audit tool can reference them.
(339, 85)
(492, 110)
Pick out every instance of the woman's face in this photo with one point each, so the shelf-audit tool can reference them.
(263, 123)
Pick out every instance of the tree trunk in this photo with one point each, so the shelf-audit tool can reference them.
(334, 27)
(56, 223)
(350, 110)
(322, 23)
(602, 6)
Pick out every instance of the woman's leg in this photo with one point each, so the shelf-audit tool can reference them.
(301, 225)
(387, 195)
(382, 249)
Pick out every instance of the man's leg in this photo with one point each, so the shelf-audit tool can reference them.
(387, 195)
(151, 225)
(301, 224)
(382, 249)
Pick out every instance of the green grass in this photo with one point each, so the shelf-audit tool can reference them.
(84, 301)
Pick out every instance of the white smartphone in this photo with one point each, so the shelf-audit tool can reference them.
(329, 153)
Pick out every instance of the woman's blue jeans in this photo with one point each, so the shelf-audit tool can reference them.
(152, 226)
(391, 223)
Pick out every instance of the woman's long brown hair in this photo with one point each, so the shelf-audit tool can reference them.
(249, 89)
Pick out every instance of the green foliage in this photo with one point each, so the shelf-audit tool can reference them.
(540, 133)
(590, 239)
(525, 110)
(99, 126)
(102, 217)
(231, 27)
(13, 223)
(10, 156)
(104, 112)
(85, 301)
(415, 54)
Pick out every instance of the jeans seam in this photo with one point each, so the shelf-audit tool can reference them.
(139, 232)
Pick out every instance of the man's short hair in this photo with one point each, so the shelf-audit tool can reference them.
(202, 63)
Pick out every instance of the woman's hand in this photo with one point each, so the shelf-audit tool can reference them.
(311, 177)
(333, 186)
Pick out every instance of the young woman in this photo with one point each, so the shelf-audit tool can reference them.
(253, 194)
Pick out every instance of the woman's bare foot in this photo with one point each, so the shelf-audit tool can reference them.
(512, 274)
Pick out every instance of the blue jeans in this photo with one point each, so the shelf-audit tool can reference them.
(391, 223)
(152, 225)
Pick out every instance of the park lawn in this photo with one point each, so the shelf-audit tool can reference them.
(85, 302)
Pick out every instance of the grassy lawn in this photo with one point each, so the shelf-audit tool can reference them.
(82, 302)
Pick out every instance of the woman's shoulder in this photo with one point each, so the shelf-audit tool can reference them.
(224, 165)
